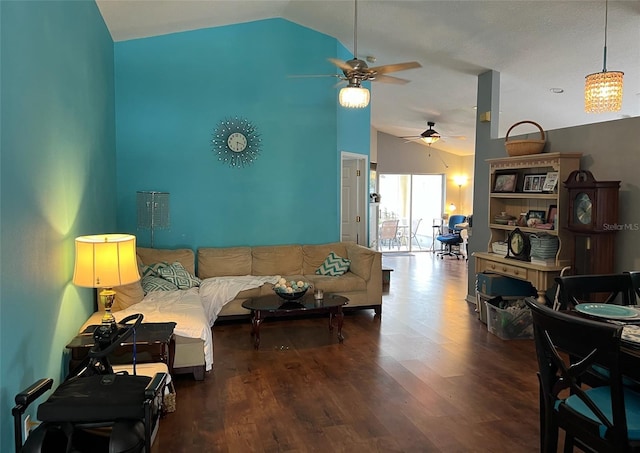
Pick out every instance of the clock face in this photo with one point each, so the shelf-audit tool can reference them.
(237, 142)
(518, 245)
(582, 209)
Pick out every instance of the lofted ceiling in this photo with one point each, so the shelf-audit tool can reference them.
(536, 45)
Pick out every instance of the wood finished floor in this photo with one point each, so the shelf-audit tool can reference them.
(427, 377)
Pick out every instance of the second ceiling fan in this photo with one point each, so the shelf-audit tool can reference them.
(430, 136)
(356, 71)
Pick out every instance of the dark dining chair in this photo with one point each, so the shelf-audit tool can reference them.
(601, 288)
(635, 286)
(605, 418)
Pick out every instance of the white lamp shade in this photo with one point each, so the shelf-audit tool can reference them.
(105, 261)
(603, 92)
(354, 97)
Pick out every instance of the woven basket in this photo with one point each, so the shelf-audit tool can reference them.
(524, 147)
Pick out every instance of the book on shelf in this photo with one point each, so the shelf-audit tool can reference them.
(543, 261)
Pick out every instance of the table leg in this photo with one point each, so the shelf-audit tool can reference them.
(256, 320)
(340, 317)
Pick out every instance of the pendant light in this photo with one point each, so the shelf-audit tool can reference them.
(603, 90)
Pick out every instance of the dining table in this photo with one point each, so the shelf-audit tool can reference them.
(628, 316)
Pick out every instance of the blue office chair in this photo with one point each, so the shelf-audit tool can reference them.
(452, 238)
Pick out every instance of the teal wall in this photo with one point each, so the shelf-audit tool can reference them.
(171, 93)
(86, 123)
(57, 164)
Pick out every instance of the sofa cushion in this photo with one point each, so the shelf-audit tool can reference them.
(185, 257)
(277, 260)
(361, 260)
(126, 296)
(179, 276)
(346, 283)
(224, 262)
(314, 255)
(334, 265)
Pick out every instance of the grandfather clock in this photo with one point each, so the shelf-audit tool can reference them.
(592, 218)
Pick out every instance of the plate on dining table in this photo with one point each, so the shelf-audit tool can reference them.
(607, 311)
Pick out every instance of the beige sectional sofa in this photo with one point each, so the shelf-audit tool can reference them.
(361, 284)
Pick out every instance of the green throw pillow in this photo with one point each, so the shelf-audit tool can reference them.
(179, 276)
(334, 265)
(152, 269)
(152, 283)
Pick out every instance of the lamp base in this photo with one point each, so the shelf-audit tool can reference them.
(108, 296)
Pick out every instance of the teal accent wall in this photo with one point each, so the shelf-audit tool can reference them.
(57, 167)
(171, 93)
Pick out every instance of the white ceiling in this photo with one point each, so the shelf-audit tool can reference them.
(536, 45)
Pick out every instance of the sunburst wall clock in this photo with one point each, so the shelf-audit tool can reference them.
(237, 142)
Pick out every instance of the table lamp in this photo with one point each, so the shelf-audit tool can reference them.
(104, 261)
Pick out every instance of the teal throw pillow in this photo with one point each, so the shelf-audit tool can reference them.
(334, 265)
(152, 283)
(152, 269)
(179, 276)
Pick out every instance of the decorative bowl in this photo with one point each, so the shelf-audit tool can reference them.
(291, 296)
(290, 290)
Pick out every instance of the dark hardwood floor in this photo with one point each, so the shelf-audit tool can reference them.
(426, 377)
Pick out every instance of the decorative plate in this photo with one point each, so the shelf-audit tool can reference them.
(608, 311)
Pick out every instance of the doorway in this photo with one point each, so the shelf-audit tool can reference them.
(415, 204)
(353, 197)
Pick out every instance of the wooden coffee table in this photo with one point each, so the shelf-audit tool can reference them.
(273, 305)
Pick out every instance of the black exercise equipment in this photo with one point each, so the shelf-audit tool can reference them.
(94, 409)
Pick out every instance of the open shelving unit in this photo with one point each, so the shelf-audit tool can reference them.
(518, 201)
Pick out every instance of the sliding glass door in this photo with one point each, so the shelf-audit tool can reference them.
(411, 207)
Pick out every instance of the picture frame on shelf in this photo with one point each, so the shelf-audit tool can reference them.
(505, 182)
(550, 182)
(534, 183)
(535, 214)
(552, 214)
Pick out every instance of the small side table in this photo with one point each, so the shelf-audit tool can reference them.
(386, 278)
(154, 343)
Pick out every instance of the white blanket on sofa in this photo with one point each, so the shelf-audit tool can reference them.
(217, 291)
(182, 307)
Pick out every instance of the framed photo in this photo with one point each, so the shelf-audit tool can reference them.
(505, 182)
(536, 215)
(552, 214)
(550, 182)
(533, 183)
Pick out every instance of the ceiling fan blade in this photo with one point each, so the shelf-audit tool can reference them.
(298, 76)
(341, 64)
(395, 67)
(389, 79)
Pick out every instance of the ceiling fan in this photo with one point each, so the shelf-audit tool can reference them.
(430, 136)
(356, 71)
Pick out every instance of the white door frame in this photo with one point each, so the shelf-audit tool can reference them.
(362, 196)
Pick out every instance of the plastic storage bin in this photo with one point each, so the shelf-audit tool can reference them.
(509, 323)
(481, 307)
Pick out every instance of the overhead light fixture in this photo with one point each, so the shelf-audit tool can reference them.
(354, 96)
(603, 90)
(430, 136)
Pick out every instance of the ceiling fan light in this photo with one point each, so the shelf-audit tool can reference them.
(431, 139)
(354, 97)
(603, 92)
